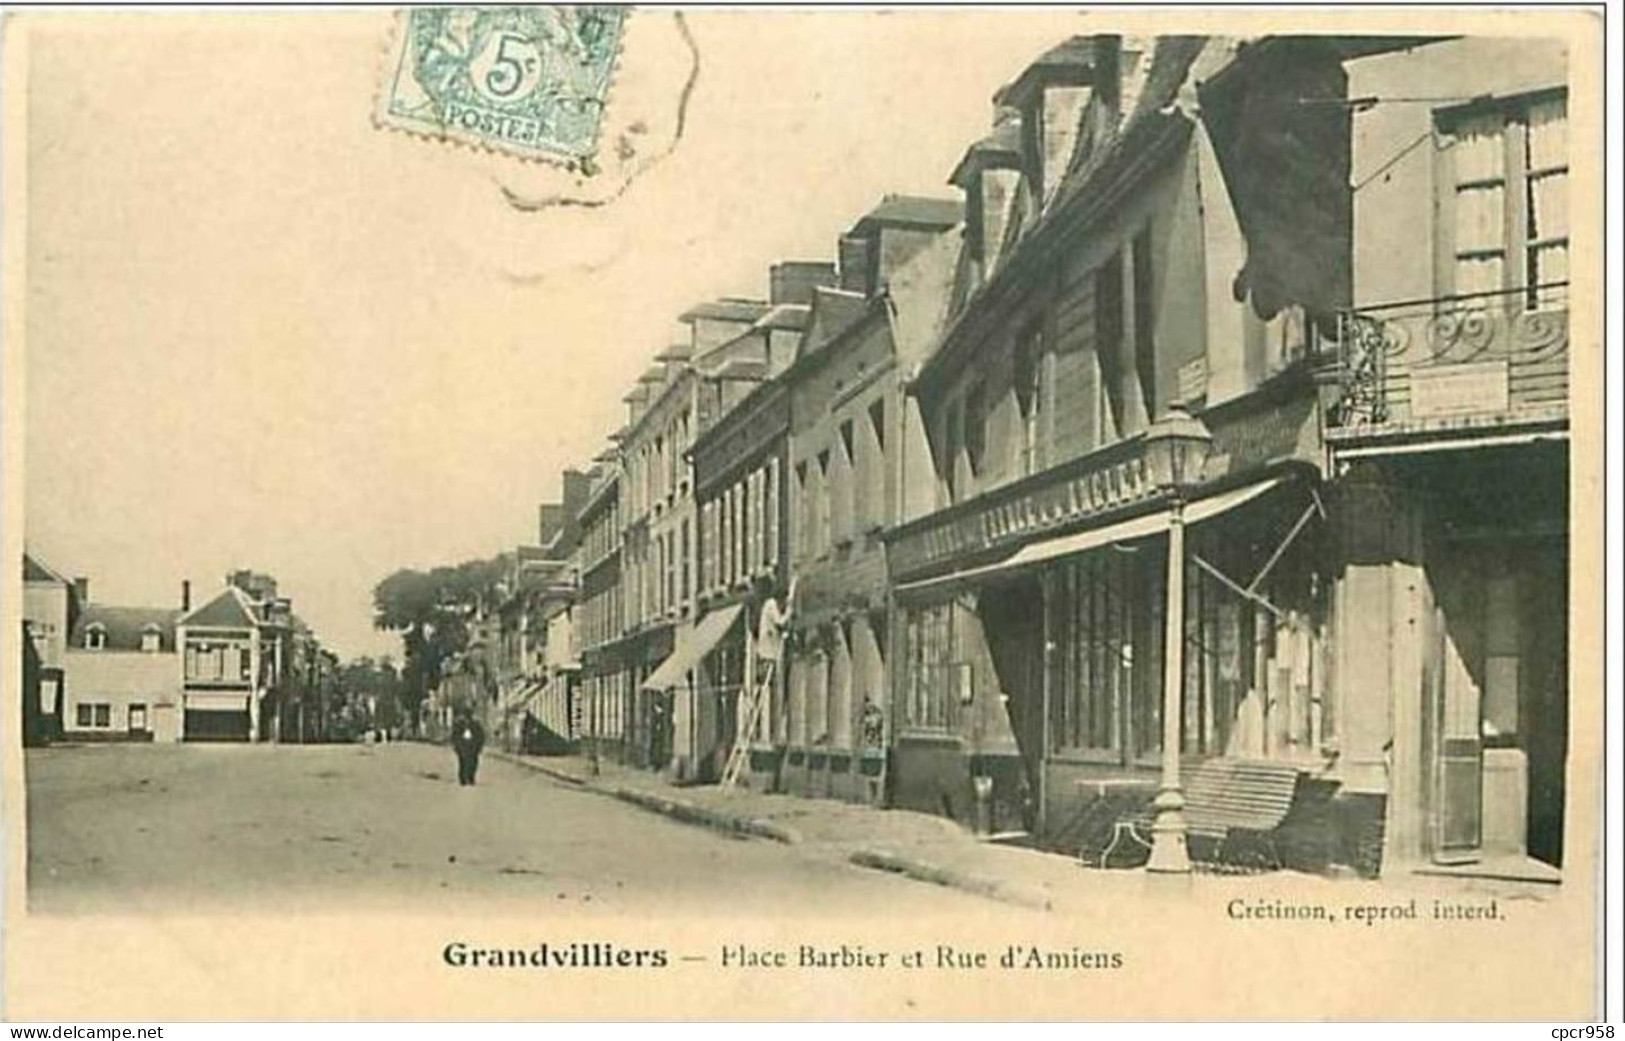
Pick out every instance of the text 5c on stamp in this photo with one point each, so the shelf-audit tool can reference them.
(530, 81)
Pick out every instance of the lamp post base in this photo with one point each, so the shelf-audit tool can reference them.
(1170, 854)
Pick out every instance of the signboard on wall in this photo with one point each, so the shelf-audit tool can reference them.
(1452, 390)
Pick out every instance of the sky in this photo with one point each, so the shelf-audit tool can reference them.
(262, 332)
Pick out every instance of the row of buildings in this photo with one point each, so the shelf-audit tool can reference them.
(240, 666)
(1220, 413)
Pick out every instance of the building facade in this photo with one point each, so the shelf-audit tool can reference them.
(684, 707)
(1446, 420)
(740, 460)
(600, 628)
(50, 608)
(845, 449)
(122, 676)
(250, 669)
(1113, 284)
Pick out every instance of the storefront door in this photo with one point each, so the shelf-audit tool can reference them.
(1498, 698)
(1458, 779)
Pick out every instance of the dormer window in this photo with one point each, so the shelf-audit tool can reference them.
(95, 637)
(152, 639)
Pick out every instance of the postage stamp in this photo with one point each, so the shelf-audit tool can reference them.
(530, 81)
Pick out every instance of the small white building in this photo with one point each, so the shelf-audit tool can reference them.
(122, 675)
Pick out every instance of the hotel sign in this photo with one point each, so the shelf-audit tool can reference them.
(1458, 389)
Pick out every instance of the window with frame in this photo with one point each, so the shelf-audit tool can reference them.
(687, 543)
(1109, 341)
(976, 427)
(93, 714)
(1030, 392)
(151, 639)
(821, 505)
(1145, 347)
(96, 637)
(740, 536)
(1105, 628)
(875, 473)
(708, 545)
(671, 569)
(936, 679)
(724, 538)
(753, 520)
(851, 498)
(952, 438)
(1504, 204)
(770, 525)
(803, 513)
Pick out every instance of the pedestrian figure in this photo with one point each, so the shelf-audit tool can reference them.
(467, 738)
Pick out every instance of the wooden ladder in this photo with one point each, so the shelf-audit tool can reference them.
(755, 701)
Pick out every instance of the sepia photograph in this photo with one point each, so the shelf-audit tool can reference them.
(770, 513)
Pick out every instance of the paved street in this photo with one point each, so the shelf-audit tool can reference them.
(157, 827)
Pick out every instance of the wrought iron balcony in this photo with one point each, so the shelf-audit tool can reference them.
(1108, 479)
(1483, 360)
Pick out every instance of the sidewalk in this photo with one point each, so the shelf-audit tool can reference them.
(922, 846)
(936, 850)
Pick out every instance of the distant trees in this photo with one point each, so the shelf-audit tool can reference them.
(372, 692)
(430, 609)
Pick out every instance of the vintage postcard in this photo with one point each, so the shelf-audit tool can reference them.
(589, 512)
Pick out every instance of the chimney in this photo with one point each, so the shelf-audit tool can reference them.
(186, 594)
(793, 281)
(576, 487)
(855, 264)
(81, 590)
(550, 521)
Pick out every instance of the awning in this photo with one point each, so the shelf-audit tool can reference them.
(1140, 527)
(693, 644)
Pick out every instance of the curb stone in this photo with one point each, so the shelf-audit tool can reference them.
(952, 878)
(542, 768)
(875, 859)
(678, 809)
(694, 814)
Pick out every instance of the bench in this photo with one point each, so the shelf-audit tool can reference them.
(1225, 799)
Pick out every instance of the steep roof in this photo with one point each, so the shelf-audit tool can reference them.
(125, 626)
(832, 311)
(1095, 181)
(794, 317)
(37, 570)
(231, 609)
(914, 211)
(728, 309)
(1073, 60)
(739, 369)
(920, 293)
(1001, 147)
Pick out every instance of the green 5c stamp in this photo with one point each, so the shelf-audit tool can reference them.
(530, 81)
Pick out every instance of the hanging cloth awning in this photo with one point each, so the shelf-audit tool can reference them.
(693, 644)
(1143, 526)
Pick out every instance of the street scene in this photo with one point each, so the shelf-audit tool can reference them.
(154, 830)
(1164, 473)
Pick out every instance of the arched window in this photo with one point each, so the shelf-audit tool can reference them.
(95, 637)
(152, 638)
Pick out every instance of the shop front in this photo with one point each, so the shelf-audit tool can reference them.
(1034, 687)
(1467, 551)
(694, 690)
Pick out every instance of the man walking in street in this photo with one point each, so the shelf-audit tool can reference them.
(467, 738)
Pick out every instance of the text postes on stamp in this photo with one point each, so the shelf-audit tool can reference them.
(531, 81)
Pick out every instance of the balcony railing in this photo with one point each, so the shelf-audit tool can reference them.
(1466, 360)
(1108, 479)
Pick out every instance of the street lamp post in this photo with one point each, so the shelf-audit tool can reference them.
(1176, 447)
